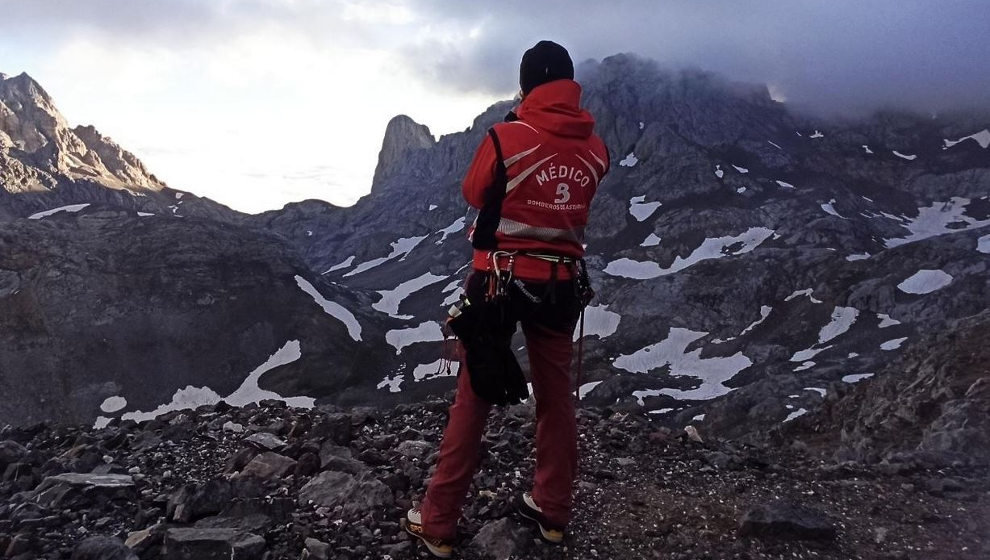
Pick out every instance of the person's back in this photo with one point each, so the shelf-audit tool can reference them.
(533, 179)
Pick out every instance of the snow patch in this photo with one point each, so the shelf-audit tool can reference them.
(817, 134)
(598, 321)
(796, 414)
(806, 365)
(428, 331)
(718, 171)
(774, 145)
(672, 351)
(818, 390)
(391, 299)
(842, 320)
(858, 257)
(393, 384)
(587, 388)
(452, 298)
(764, 313)
(192, 397)
(400, 248)
(183, 399)
(332, 308)
(893, 344)
(806, 292)
(346, 263)
(982, 138)
(113, 404)
(712, 248)
(785, 185)
(925, 282)
(652, 240)
(934, 220)
(909, 157)
(432, 208)
(69, 208)
(145, 214)
(629, 161)
(983, 244)
(642, 125)
(427, 372)
(856, 377)
(249, 391)
(741, 169)
(455, 227)
(867, 148)
(886, 321)
(829, 209)
(640, 209)
(807, 354)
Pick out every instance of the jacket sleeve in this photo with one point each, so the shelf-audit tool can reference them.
(480, 175)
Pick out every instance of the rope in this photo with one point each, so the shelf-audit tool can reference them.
(580, 361)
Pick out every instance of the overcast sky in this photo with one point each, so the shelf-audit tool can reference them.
(256, 103)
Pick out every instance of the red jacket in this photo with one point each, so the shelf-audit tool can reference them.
(554, 164)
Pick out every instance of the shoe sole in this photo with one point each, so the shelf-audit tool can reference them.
(437, 552)
(547, 537)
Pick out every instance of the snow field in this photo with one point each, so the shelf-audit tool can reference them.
(712, 248)
(428, 331)
(672, 351)
(391, 299)
(332, 308)
(69, 208)
(925, 282)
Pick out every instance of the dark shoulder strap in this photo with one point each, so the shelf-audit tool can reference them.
(491, 211)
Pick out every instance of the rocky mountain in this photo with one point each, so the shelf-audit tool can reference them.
(37, 146)
(122, 297)
(738, 248)
(735, 246)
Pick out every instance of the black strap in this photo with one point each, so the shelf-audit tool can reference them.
(491, 212)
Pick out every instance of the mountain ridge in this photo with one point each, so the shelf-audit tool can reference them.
(730, 235)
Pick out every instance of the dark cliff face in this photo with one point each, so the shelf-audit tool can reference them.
(403, 137)
(156, 310)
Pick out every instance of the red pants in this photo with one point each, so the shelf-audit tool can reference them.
(556, 437)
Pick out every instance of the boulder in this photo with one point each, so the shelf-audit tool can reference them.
(78, 489)
(103, 548)
(265, 441)
(785, 520)
(194, 501)
(267, 466)
(501, 539)
(356, 495)
(212, 544)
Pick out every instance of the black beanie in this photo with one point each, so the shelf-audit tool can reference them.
(545, 62)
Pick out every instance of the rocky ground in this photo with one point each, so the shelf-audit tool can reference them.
(274, 482)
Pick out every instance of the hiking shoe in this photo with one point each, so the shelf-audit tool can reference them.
(527, 508)
(412, 523)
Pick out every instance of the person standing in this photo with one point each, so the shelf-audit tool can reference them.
(533, 179)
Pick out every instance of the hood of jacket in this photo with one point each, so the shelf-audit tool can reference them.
(555, 107)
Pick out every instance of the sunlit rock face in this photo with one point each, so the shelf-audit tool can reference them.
(34, 133)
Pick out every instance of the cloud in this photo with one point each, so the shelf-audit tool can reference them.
(836, 56)
(830, 56)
